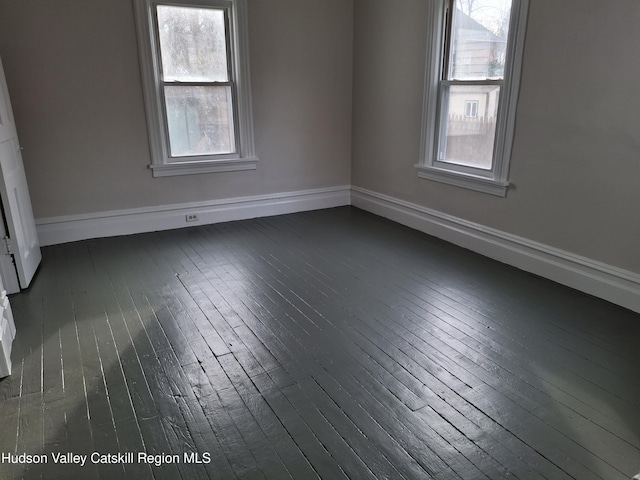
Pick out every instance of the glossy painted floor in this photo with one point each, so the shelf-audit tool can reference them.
(330, 344)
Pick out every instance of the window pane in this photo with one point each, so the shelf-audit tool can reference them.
(200, 120)
(469, 117)
(193, 44)
(480, 29)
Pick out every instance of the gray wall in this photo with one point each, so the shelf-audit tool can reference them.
(73, 74)
(320, 67)
(576, 158)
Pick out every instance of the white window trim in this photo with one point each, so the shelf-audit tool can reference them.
(162, 163)
(494, 181)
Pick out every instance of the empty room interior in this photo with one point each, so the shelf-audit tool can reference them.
(386, 239)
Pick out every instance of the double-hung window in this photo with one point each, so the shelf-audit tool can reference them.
(471, 89)
(196, 85)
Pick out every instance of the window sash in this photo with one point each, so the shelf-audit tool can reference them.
(467, 136)
(201, 121)
(466, 129)
(162, 84)
(206, 9)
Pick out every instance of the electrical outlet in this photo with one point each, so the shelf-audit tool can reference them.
(191, 217)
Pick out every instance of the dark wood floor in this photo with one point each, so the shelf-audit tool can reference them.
(330, 344)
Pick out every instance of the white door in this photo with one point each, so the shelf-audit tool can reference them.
(20, 237)
(7, 333)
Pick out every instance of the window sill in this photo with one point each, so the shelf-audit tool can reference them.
(210, 166)
(464, 180)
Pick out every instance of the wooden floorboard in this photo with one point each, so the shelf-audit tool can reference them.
(327, 344)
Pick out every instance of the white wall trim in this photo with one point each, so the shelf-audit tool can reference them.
(616, 285)
(465, 180)
(71, 228)
(206, 166)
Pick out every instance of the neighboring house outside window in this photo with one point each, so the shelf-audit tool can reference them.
(193, 55)
(473, 69)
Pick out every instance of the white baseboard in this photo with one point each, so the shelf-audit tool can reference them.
(616, 285)
(55, 230)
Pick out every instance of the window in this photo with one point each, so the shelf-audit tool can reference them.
(193, 55)
(471, 109)
(473, 69)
